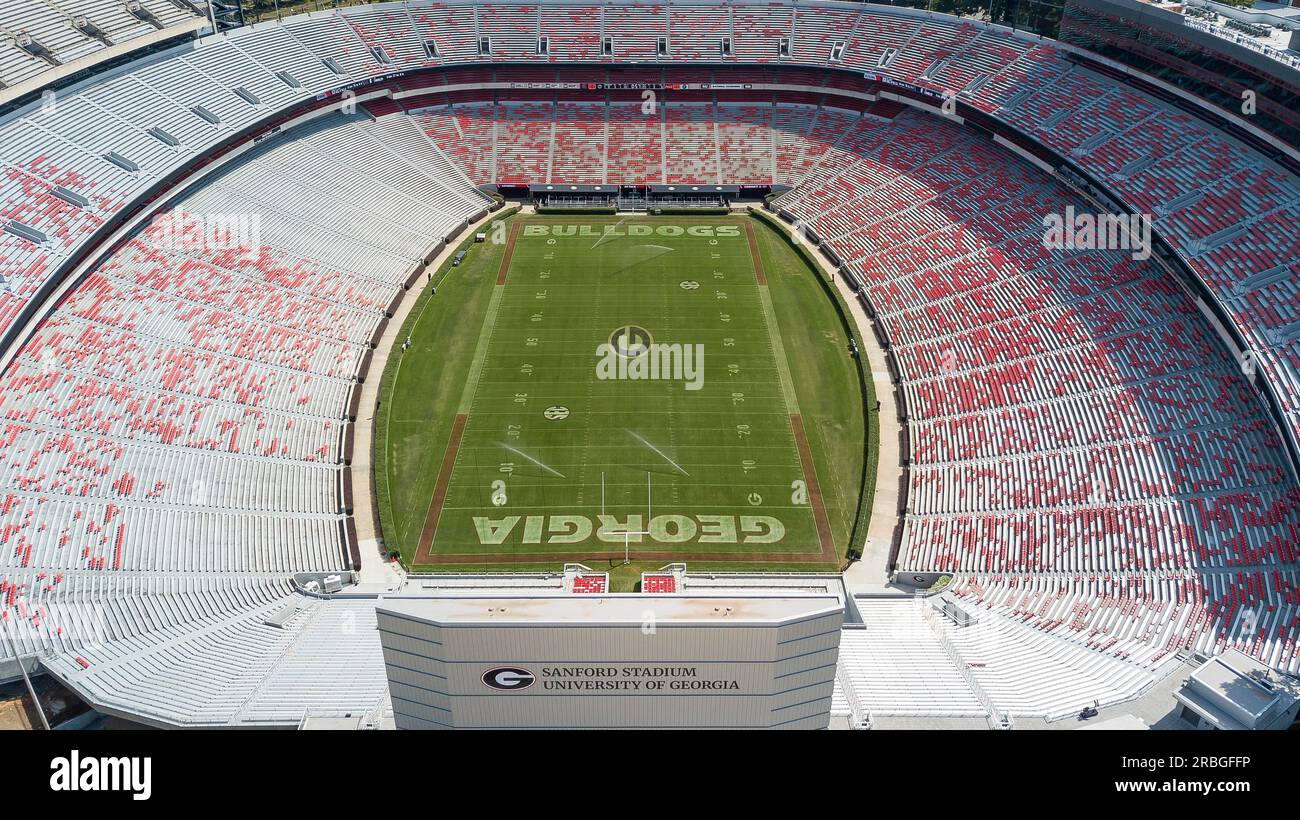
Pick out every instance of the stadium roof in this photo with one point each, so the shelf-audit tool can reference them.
(613, 609)
(241, 670)
(310, 660)
(1235, 691)
(85, 41)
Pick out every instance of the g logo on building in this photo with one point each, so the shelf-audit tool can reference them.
(508, 678)
(630, 341)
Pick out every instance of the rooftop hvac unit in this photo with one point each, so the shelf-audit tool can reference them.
(205, 115)
(333, 583)
(19, 229)
(70, 196)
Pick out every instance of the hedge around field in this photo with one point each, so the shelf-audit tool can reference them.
(378, 449)
(862, 520)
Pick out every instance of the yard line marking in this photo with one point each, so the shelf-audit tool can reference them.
(488, 389)
(814, 489)
(792, 403)
(661, 453)
(605, 236)
(719, 508)
(777, 412)
(510, 251)
(481, 352)
(656, 251)
(467, 401)
(753, 252)
(783, 447)
(778, 350)
(519, 452)
(440, 490)
(589, 553)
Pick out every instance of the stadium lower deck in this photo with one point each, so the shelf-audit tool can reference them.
(1088, 460)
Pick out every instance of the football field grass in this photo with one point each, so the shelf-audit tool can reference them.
(676, 387)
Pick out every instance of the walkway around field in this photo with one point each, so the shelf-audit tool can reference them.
(870, 572)
(375, 566)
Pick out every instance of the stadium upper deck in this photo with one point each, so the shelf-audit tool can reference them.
(43, 41)
(1235, 237)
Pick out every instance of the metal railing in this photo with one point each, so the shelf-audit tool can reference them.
(996, 718)
(859, 715)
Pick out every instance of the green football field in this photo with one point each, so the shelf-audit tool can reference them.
(679, 388)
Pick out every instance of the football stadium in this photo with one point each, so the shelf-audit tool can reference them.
(607, 364)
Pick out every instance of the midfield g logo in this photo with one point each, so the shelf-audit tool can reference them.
(630, 341)
(508, 678)
(631, 354)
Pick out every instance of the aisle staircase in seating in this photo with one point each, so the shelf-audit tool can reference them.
(996, 719)
(859, 715)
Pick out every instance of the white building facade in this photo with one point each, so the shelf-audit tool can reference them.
(611, 661)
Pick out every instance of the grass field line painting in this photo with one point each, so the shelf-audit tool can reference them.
(586, 387)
